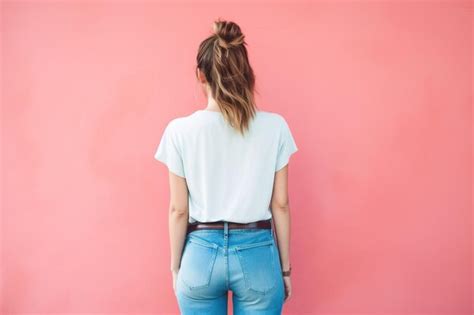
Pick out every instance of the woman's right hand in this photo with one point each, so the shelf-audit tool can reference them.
(287, 282)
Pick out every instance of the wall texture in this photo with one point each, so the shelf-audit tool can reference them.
(378, 96)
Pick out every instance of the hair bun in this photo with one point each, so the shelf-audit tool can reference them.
(228, 34)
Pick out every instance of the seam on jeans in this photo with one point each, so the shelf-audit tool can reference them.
(203, 243)
(226, 263)
(246, 246)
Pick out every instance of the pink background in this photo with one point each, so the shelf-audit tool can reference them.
(378, 96)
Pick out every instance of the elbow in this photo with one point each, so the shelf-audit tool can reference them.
(179, 212)
(281, 206)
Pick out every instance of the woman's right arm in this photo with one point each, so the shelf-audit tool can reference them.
(280, 205)
(281, 215)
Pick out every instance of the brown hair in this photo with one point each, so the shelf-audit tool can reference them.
(223, 59)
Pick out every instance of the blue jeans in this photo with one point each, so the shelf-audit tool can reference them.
(245, 261)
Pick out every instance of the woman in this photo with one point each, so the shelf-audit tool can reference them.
(228, 171)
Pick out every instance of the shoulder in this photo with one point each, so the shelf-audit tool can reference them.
(273, 118)
(179, 124)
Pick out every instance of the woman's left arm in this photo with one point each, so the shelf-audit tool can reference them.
(178, 218)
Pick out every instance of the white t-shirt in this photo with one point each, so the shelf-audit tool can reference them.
(229, 176)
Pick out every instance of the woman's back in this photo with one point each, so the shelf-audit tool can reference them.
(228, 189)
(229, 175)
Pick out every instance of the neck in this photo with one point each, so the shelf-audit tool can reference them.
(212, 105)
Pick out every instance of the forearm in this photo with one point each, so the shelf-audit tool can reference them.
(282, 220)
(178, 223)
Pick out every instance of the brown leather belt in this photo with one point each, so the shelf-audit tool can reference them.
(264, 224)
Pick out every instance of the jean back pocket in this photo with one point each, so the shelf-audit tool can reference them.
(258, 265)
(197, 263)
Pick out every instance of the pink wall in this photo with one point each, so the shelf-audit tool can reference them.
(378, 96)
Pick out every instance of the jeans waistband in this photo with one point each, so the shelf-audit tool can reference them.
(224, 225)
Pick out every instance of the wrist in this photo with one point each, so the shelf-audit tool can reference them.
(286, 272)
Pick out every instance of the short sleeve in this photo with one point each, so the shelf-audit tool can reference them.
(168, 151)
(287, 146)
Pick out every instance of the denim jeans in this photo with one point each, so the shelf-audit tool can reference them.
(244, 261)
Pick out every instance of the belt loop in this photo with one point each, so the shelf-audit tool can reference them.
(226, 228)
